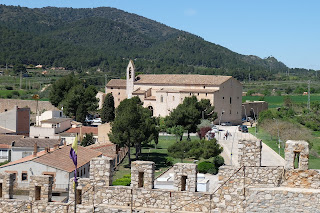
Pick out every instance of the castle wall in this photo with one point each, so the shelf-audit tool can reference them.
(247, 188)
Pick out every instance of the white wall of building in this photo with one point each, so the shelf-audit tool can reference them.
(61, 178)
(48, 115)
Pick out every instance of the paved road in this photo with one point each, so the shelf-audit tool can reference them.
(230, 146)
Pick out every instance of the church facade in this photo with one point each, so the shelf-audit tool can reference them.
(162, 93)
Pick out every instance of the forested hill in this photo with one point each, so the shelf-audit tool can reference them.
(107, 38)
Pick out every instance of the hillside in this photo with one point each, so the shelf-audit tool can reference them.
(107, 37)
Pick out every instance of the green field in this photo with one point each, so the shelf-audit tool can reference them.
(277, 101)
(4, 93)
(314, 160)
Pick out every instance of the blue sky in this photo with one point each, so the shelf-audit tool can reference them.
(286, 29)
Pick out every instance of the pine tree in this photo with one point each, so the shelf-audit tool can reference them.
(107, 112)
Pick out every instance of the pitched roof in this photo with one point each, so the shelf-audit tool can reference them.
(60, 158)
(107, 149)
(25, 159)
(7, 139)
(42, 143)
(182, 79)
(6, 130)
(85, 129)
(117, 83)
(55, 120)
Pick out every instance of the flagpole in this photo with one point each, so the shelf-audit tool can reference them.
(75, 195)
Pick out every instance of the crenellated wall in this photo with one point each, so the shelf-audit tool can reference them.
(247, 188)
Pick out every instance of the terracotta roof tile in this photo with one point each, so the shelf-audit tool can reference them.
(117, 83)
(60, 158)
(25, 159)
(107, 149)
(168, 79)
(85, 129)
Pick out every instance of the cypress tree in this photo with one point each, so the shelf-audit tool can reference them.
(107, 112)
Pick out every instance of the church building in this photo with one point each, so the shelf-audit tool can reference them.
(162, 93)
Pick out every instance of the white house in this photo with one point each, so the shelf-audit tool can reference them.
(48, 115)
(50, 128)
(5, 145)
(54, 162)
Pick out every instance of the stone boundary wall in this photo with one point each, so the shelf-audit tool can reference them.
(9, 104)
(302, 179)
(282, 199)
(244, 189)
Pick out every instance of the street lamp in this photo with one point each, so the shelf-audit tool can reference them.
(278, 134)
(245, 112)
(220, 122)
(255, 120)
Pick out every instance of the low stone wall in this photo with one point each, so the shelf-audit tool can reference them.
(302, 179)
(282, 199)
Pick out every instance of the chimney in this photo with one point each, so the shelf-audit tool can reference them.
(56, 146)
(64, 142)
(47, 149)
(35, 150)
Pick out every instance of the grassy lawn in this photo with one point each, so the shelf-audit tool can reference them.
(314, 160)
(277, 101)
(150, 153)
(4, 93)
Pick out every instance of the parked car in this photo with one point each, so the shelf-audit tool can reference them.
(244, 128)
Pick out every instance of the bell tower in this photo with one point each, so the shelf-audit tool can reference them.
(130, 78)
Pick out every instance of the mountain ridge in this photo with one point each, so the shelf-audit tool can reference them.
(107, 37)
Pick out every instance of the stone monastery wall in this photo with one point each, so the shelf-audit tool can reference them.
(247, 188)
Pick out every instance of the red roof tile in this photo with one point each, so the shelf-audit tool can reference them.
(85, 129)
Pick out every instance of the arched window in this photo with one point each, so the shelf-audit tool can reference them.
(129, 72)
(151, 110)
(172, 98)
(161, 98)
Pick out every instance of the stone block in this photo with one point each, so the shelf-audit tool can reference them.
(101, 171)
(142, 174)
(297, 149)
(185, 177)
(40, 188)
(6, 181)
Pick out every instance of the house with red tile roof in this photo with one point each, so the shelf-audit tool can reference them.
(55, 162)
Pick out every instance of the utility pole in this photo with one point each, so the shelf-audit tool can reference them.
(20, 80)
(308, 106)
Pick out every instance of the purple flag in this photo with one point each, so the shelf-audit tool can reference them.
(73, 156)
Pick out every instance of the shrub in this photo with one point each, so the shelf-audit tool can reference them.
(169, 161)
(218, 161)
(15, 93)
(9, 88)
(124, 181)
(9, 96)
(205, 166)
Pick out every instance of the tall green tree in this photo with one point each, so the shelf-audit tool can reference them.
(189, 114)
(79, 101)
(132, 125)
(107, 111)
(87, 140)
(61, 88)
